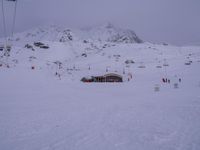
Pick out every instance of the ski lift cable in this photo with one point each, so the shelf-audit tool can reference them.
(164, 68)
(14, 17)
(13, 21)
(4, 23)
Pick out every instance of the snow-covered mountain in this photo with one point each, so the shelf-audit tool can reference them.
(45, 106)
(105, 33)
(109, 33)
(102, 47)
(46, 33)
(62, 44)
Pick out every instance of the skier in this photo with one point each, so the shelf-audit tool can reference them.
(163, 80)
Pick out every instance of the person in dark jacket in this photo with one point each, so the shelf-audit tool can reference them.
(163, 80)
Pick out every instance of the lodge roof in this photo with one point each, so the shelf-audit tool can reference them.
(112, 74)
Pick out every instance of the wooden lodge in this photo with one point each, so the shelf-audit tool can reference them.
(111, 77)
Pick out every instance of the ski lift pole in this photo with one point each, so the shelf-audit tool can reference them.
(14, 17)
(4, 26)
(165, 62)
(7, 47)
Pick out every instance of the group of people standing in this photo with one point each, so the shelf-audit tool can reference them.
(166, 80)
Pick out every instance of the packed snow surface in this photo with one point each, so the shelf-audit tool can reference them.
(48, 108)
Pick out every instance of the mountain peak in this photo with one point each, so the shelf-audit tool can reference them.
(110, 33)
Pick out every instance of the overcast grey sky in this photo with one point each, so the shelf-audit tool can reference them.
(173, 21)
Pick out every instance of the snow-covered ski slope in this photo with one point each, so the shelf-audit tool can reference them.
(40, 110)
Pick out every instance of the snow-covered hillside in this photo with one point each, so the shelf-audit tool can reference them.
(69, 47)
(45, 106)
(108, 32)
